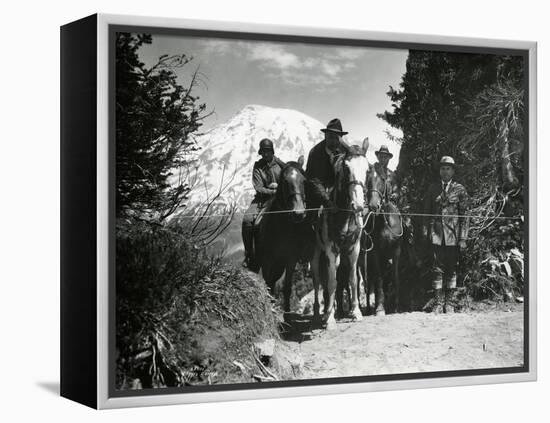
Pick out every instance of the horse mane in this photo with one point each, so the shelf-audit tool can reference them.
(293, 165)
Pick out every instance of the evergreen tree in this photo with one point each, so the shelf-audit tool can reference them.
(155, 121)
(471, 107)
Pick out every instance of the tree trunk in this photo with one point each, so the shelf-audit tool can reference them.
(509, 179)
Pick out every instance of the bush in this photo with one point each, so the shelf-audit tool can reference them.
(183, 317)
(495, 263)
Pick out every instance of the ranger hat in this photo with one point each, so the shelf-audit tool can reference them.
(447, 161)
(383, 150)
(334, 126)
(266, 145)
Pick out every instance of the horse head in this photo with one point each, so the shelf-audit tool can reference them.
(351, 174)
(376, 190)
(291, 190)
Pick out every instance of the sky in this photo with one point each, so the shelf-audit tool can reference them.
(322, 81)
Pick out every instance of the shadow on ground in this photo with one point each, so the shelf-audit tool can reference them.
(51, 387)
(298, 328)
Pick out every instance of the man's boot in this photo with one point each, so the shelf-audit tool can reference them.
(435, 304)
(438, 301)
(248, 240)
(450, 300)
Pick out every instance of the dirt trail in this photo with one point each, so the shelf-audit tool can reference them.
(409, 342)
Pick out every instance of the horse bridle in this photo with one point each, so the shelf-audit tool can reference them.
(383, 197)
(285, 200)
(295, 193)
(291, 193)
(384, 200)
(356, 182)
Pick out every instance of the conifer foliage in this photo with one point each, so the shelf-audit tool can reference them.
(470, 107)
(156, 119)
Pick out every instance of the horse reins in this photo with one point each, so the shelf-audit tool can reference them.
(368, 233)
(389, 226)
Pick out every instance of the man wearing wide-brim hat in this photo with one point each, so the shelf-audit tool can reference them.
(446, 226)
(384, 156)
(320, 169)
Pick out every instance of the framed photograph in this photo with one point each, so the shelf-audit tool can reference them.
(253, 211)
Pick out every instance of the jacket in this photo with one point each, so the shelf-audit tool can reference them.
(263, 174)
(443, 230)
(320, 174)
(389, 177)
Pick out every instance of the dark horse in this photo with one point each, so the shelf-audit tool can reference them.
(285, 236)
(383, 233)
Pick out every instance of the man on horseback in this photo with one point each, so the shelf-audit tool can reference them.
(447, 229)
(265, 175)
(381, 167)
(383, 238)
(320, 169)
(336, 174)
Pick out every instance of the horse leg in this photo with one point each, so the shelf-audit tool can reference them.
(315, 263)
(367, 280)
(340, 286)
(323, 277)
(395, 275)
(371, 295)
(346, 286)
(377, 273)
(287, 288)
(273, 272)
(353, 282)
(333, 259)
(360, 279)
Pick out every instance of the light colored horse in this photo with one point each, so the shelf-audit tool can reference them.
(338, 232)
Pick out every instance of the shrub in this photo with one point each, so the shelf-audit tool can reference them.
(183, 317)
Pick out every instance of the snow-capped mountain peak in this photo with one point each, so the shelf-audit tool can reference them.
(229, 150)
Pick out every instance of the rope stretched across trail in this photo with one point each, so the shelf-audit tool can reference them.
(352, 211)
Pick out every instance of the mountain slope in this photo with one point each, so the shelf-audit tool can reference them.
(229, 150)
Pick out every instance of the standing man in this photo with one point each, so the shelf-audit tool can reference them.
(447, 230)
(381, 167)
(320, 170)
(265, 175)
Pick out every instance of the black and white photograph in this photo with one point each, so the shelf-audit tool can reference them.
(308, 211)
(293, 209)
